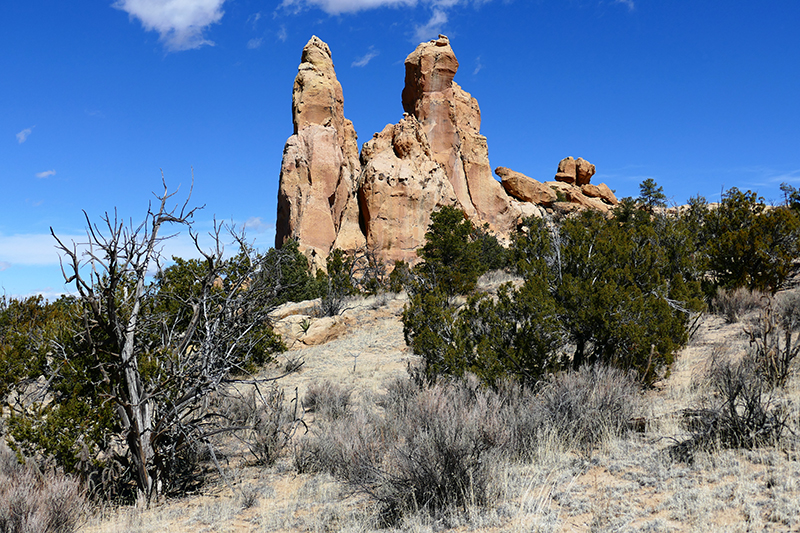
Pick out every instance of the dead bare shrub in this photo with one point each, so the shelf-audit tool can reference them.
(34, 502)
(264, 421)
(742, 411)
(735, 303)
(773, 339)
(589, 405)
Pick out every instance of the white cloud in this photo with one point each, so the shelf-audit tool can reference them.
(628, 3)
(252, 44)
(180, 23)
(337, 7)
(46, 174)
(23, 135)
(257, 225)
(32, 248)
(366, 58)
(433, 27)
(283, 34)
(478, 66)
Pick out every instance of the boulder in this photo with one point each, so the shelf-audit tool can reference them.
(577, 171)
(600, 191)
(524, 188)
(583, 171)
(320, 169)
(566, 170)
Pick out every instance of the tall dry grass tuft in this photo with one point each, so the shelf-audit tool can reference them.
(34, 502)
(584, 408)
(735, 303)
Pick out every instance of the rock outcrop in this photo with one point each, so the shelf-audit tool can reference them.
(330, 198)
(402, 186)
(569, 192)
(320, 170)
(451, 119)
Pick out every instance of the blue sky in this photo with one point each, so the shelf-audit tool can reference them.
(97, 97)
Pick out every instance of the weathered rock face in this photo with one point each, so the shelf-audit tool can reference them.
(600, 191)
(402, 186)
(320, 169)
(451, 120)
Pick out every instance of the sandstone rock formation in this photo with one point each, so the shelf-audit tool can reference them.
(330, 198)
(578, 171)
(402, 186)
(571, 191)
(524, 188)
(451, 119)
(320, 168)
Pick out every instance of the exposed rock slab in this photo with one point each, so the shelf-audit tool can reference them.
(601, 191)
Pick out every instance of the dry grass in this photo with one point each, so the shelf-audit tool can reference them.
(624, 481)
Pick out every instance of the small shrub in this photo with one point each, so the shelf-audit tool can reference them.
(587, 406)
(433, 451)
(400, 277)
(32, 502)
(328, 399)
(735, 303)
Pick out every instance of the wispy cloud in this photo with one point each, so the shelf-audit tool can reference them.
(179, 23)
(337, 7)
(32, 248)
(4, 265)
(366, 58)
(629, 3)
(433, 27)
(24, 134)
(478, 66)
(46, 174)
(282, 34)
(252, 44)
(253, 19)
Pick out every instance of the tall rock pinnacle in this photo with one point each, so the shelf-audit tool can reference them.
(451, 119)
(320, 169)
